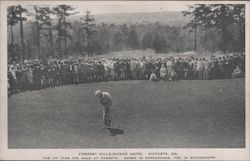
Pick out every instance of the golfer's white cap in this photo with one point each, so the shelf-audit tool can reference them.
(98, 93)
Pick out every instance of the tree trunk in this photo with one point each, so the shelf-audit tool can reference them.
(59, 38)
(65, 39)
(87, 41)
(12, 38)
(224, 29)
(65, 46)
(241, 35)
(224, 32)
(38, 36)
(205, 39)
(38, 32)
(51, 41)
(22, 37)
(195, 39)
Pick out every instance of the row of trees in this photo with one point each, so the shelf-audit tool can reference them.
(15, 15)
(44, 27)
(221, 17)
(51, 33)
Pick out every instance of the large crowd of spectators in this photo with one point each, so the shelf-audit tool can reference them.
(38, 74)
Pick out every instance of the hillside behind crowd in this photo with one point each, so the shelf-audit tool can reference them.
(60, 32)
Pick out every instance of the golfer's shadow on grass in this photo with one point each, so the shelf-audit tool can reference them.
(115, 131)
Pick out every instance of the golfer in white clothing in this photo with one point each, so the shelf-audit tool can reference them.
(106, 100)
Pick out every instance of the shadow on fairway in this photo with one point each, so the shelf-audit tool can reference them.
(114, 131)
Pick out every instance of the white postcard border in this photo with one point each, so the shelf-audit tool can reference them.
(41, 154)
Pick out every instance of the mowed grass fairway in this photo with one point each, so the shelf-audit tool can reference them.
(182, 114)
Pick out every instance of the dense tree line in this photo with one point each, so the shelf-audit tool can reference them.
(50, 33)
(227, 20)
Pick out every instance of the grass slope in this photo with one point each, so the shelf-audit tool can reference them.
(183, 114)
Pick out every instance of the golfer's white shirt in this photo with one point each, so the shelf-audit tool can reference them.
(106, 99)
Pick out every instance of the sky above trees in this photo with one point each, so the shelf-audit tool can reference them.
(115, 7)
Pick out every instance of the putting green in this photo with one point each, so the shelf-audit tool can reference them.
(182, 114)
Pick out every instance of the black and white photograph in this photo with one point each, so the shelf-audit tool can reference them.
(126, 75)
